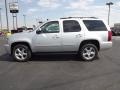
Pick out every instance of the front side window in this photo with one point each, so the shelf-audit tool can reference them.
(51, 27)
(71, 26)
(95, 25)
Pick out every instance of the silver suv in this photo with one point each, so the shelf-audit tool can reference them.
(84, 36)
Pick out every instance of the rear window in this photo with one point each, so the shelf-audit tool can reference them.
(95, 25)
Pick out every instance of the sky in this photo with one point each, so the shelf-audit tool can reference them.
(54, 9)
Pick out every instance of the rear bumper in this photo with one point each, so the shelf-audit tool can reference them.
(106, 45)
(7, 48)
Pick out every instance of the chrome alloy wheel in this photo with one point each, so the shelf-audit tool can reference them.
(21, 53)
(89, 53)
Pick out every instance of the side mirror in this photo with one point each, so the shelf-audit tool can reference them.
(38, 32)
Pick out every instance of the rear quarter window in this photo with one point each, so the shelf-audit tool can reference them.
(95, 25)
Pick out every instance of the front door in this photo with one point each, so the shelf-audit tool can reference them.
(50, 38)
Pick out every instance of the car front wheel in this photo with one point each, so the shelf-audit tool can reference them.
(21, 53)
(88, 52)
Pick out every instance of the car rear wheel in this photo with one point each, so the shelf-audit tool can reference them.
(21, 53)
(88, 52)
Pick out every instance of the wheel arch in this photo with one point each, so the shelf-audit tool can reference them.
(90, 41)
(22, 43)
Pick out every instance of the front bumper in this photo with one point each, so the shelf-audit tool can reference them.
(7, 48)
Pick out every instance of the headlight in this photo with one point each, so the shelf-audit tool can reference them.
(8, 34)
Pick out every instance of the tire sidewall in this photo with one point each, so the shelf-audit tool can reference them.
(28, 52)
(88, 45)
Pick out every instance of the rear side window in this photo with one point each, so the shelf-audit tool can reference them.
(95, 25)
(71, 26)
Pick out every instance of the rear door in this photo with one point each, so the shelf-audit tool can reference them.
(72, 35)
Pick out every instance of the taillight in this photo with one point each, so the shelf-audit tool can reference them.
(109, 36)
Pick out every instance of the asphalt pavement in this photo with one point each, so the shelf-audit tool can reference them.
(61, 72)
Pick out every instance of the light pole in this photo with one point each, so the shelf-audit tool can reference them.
(14, 9)
(0, 19)
(16, 21)
(13, 21)
(109, 5)
(37, 20)
(7, 15)
(24, 20)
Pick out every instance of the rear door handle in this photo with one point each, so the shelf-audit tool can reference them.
(78, 35)
(57, 37)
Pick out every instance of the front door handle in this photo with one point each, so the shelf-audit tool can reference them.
(56, 37)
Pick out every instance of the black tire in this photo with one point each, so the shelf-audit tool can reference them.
(82, 51)
(27, 53)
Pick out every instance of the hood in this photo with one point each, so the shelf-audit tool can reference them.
(21, 36)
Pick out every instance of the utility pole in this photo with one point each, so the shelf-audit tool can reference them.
(109, 5)
(7, 15)
(0, 19)
(24, 20)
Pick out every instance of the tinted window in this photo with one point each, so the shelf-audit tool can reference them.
(71, 26)
(95, 25)
(50, 27)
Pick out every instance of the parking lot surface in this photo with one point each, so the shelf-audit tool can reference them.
(61, 72)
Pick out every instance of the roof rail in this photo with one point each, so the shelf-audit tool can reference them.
(78, 17)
